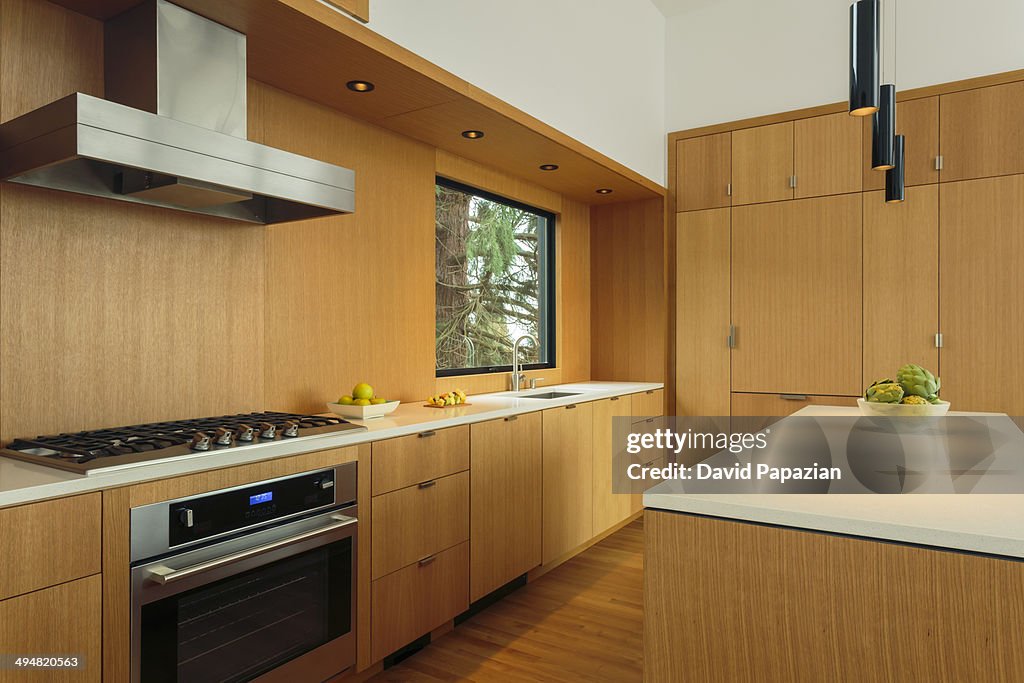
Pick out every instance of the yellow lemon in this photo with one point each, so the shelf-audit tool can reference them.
(361, 402)
(378, 401)
(362, 391)
(345, 400)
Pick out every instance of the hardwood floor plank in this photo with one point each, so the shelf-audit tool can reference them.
(580, 621)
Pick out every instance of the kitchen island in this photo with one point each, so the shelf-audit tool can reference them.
(923, 587)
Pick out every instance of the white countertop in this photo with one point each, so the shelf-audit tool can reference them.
(983, 523)
(22, 482)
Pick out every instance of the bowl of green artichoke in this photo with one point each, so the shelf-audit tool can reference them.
(914, 393)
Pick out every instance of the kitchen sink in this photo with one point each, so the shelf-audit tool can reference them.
(551, 394)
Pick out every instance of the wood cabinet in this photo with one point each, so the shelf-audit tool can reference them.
(649, 403)
(781, 405)
(505, 513)
(918, 122)
(704, 172)
(419, 521)
(610, 507)
(419, 598)
(827, 155)
(65, 620)
(981, 132)
(408, 460)
(796, 297)
(43, 544)
(762, 164)
(568, 479)
(703, 263)
(981, 249)
(901, 311)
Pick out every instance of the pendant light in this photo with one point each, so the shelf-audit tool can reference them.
(894, 188)
(864, 23)
(883, 129)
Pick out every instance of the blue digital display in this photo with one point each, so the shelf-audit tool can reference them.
(261, 498)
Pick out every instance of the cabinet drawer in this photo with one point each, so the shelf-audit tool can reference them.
(47, 543)
(418, 599)
(417, 521)
(409, 460)
(650, 403)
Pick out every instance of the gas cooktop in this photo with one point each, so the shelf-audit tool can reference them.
(102, 450)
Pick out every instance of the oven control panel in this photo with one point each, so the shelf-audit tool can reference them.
(225, 512)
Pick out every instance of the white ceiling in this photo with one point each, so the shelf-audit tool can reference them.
(670, 8)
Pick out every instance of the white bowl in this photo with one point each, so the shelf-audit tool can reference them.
(902, 409)
(363, 412)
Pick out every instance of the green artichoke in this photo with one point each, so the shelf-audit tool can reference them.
(884, 391)
(917, 381)
(914, 400)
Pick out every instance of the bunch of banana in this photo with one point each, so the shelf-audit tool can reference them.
(449, 398)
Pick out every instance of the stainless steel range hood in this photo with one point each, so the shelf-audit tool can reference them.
(172, 131)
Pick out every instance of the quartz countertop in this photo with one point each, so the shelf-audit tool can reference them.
(979, 523)
(23, 482)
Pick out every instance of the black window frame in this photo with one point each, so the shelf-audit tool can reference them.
(547, 275)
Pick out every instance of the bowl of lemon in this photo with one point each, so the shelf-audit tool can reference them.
(362, 404)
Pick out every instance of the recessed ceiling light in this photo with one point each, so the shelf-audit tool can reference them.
(360, 86)
(604, 190)
(549, 167)
(473, 134)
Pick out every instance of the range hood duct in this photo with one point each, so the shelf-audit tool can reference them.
(172, 130)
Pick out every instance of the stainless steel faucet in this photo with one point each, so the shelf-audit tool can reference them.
(517, 375)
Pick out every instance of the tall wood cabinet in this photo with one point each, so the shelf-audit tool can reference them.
(568, 478)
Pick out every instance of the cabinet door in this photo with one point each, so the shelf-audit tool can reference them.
(762, 163)
(981, 132)
(703, 172)
(918, 122)
(505, 501)
(981, 249)
(64, 620)
(901, 282)
(702, 312)
(796, 288)
(568, 479)
(609, 508)
(827, 155)
(781, 405)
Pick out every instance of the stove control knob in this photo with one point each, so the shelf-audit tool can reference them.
(291, 428)
(222, 437)
(267, 430)
(185, 518)
(245, 433)
(200, 442)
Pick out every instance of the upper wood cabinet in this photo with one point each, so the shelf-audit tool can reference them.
(981, 248)
(505, 501)
(609, 508)
(918, 122)
(568, 479)
(901, 312)
(762, 164)
(827, 155)
(796, 296)
(703, 172)
(702, 312)
(981, 132)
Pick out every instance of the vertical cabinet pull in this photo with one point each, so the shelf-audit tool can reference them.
(938, 340)
(728, 189)
(731, 339)
(792, 182)
(938, 163)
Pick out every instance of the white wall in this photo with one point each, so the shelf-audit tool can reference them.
(731, 59)
(593, 69)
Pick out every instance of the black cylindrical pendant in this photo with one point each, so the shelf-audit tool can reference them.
(883, 129)
(864, 36)
(894, 189)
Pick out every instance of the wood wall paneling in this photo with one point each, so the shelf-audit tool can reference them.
(827, 155)
(762, 163)
(901, 282)
(703, 172)
(703, 261)
(981, 133)
(981, 247)
(918, 122)
(796, 292)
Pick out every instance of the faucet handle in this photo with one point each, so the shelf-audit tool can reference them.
(534, 380)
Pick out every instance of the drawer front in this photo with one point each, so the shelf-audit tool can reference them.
(648, 403)
(417, 521)
(47, 543)
(412, 459)
(415, 600)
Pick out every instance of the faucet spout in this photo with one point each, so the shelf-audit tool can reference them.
(517, 374)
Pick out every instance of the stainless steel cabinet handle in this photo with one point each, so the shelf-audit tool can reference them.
(571, 407)
(424, 435)
(792, 182)
(165, 575)
(426, 560)
(731, 339)
(793, 397)
(511, 418)
(938, 163)
(728, 189)
(427, 484)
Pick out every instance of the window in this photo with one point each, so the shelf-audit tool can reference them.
(494, 270)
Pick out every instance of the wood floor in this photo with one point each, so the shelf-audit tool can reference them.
(580, 622)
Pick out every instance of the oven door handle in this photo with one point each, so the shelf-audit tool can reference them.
(165, 575)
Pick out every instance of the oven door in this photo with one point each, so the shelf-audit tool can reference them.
(274, 605)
